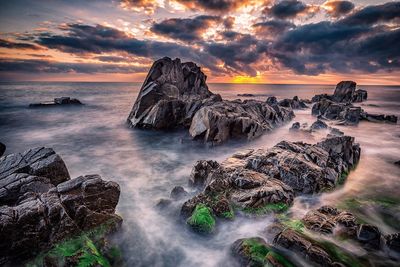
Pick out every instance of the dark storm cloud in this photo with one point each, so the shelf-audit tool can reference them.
(288, 9)
(214, 5)
(239, 52)
(375, 14)
(273, 27)
(43, 66)
(337, 8)
(185, 29)
(18, 45)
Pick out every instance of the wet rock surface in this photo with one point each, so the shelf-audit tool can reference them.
(294, 103)
(236, 119)
(60, 101)
(2, 149)
(260, 181)
(41, 205)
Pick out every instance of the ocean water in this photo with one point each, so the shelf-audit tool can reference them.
(94, 138)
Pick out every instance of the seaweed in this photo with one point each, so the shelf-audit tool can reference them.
(202, 219)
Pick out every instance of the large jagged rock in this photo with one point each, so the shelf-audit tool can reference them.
(41, 205)
(345, 92)
(268, 180)
(236, 119)
(170, 95)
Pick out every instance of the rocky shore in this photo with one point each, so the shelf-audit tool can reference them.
(41, 207)
(60, 101)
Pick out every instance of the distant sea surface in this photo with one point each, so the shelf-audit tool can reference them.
(94, 138)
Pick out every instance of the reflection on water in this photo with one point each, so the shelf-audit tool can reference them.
(95, 139)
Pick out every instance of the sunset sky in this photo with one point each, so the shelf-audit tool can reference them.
(246, 41)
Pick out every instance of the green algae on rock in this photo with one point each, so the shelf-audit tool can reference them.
(202, 219)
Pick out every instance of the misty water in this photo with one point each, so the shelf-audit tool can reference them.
(95, 138)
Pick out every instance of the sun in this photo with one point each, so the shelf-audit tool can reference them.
(247, 79)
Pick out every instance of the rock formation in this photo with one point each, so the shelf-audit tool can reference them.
(170, 95)
(345, 92)
(249, 119)
(294, 103)
(64, 101)
(41, 205)
(2, 149)
(260, 180)
(175, 94)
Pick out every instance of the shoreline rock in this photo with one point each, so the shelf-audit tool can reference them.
(61, 101)
(42, 206)
(260, 181)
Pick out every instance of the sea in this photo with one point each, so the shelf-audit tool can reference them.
(95, 139)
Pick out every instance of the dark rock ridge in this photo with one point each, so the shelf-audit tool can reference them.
(268, 180)
(236, 119)
(170, 95)
(346, 113)
(246, 95)
(64, 101)
(345, 92)
(41, 205)
(175, 94)
(294, 103)
(2, 149)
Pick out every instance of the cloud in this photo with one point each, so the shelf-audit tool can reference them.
(222, 6)
(43, 66)
(185, 29)
(338, 8)
(17, 45)
(374, 14)
(147, 6)
(288, 9)
(272, 28)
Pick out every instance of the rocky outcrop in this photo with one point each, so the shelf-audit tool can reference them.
(61, 101)
(260, 181)
(345, 92)
(170, 95)
(246, 95)
(249, 119)
(41, 205)
(346, 113)
(294, 103)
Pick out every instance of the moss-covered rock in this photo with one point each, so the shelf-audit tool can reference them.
(202, 219)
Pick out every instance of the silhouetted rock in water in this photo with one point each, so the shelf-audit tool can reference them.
(235, 119)
(178, 192)
(170, 95)
(246, 95)
(2, 149)
(255, 251)
(295, 126)
(260, 181)
(272, 100)
(318, 125)
(64, 101)
(41, 206)
(397, 163)
(345, 92)
(294, 103)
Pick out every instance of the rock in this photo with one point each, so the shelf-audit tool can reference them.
(344, 91)
(360, 95)
(320, 97)
(300, 244)
(255, 251)
(260, 181)
(335, 132)
(378, 118)
(163, 203)
(200, 172)
(369, 235)
(38, 161)
(233, 119)
(327, 219)
(294, 103)
(170, 96)
(246, 95)
(318, 125)
(41, 206)
(272, 100)
(178, 192)
(393, 242)
(397, 163)
(2, 149)
(64, 101)
(295, 126)
(202, 220)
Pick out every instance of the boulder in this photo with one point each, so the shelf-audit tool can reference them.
(178, 192)
(393, 243)
(378, 117)
(318, 125)
(272, 100)
(249, 119)
(260, 181)
(170, 96)
(294, 103)
(360, 95)
(344, 91)
(41, 205)
(2, 149)
(295, 126)
(64, 101)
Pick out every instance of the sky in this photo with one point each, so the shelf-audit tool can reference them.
(246, 41)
